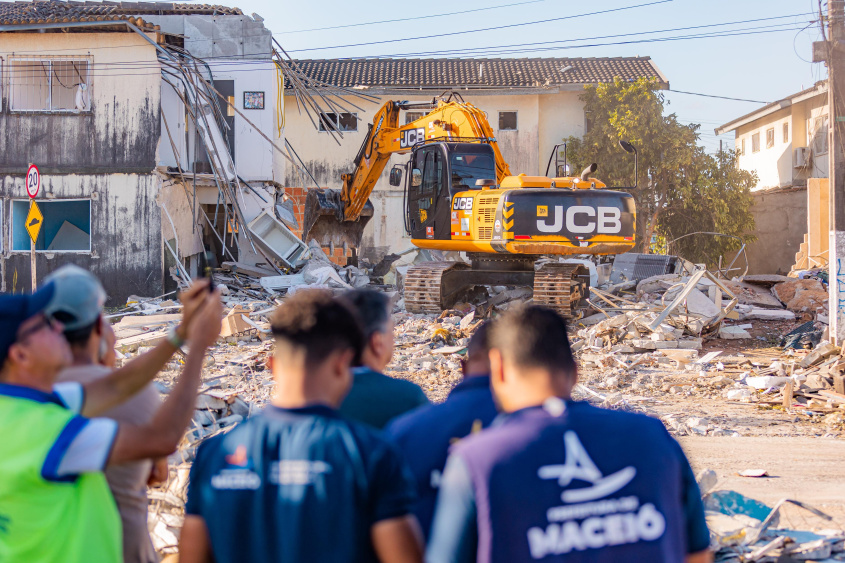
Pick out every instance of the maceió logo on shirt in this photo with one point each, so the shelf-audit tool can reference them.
(590, 520)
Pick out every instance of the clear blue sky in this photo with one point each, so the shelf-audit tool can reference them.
(747, 64)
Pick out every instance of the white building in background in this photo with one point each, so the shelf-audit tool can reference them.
(532, 105)
(784, 142)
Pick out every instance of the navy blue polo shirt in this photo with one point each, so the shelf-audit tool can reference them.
(297, 485)
(425, 434)
(568, 482)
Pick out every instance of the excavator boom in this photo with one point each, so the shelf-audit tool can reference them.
(339, 218)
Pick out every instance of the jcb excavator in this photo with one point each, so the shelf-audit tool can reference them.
(460, 196)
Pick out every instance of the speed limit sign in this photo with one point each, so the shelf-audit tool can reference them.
(33, 181)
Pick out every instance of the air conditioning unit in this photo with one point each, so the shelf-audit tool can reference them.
(801, 157)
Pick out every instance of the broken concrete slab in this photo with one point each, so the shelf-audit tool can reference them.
(768, 315)
(733, 333)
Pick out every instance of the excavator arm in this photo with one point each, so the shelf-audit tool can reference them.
(339, 218)
(447, 122)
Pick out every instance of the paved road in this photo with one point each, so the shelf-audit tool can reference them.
(810, 470)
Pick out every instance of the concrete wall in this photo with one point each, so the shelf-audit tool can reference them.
(775, 166)
(780, 225)
(543, 120)
(125, 232)
(120, 133)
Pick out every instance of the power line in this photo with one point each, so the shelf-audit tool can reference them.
(568, 41)
(409, 19)
(496, 28)
(718, 97)
(730, 33)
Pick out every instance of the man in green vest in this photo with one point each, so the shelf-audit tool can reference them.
(55, 504)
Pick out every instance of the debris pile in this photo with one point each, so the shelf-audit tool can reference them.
(743, 529)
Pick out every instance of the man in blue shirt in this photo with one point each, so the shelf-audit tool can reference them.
(559, 480)
(374, 397)
(298, 482)
(425, 434)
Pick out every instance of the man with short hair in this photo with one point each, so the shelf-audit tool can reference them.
(424, 435)
(298, 482)
(55, 504)
(561, 480)
(78, 305)
(376, 398)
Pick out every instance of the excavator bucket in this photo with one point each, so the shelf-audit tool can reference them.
(324, 222)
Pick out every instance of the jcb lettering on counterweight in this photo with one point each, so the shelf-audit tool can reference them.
(410, 137)
(582, 219)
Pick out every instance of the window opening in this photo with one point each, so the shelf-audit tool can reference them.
(507, 121)
(346, 121)
(66, 226)
(47, 84)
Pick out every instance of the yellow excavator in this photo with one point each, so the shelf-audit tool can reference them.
(459, 195)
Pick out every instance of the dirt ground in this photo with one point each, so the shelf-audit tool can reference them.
(811, 470)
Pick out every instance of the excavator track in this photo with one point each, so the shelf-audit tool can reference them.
(424, 286)
(562, 287)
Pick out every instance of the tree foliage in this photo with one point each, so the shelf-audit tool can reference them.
(681, 188)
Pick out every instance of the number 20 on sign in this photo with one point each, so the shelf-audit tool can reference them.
(33, 181)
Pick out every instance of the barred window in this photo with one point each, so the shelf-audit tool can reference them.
(49, 84)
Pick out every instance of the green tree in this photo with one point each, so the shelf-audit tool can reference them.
(681, 189)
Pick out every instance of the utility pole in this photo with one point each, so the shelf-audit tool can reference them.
(835, 58)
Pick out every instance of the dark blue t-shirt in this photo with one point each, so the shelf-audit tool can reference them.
(376, 399)
(568, 482)
(425, 434)
(297, 485)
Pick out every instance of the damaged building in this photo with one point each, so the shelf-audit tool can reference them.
(153, 126)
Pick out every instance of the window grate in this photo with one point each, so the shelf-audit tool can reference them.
(49, 84)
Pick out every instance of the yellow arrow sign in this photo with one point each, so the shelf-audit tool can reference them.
(34, 219)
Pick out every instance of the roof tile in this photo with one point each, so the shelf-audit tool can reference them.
(52, 11)
(479, 73)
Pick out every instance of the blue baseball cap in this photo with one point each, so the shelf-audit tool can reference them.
(15, 309)
(78, 299)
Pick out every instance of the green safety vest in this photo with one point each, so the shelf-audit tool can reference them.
(46, 521)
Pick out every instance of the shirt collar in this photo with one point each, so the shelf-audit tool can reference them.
(21, 392)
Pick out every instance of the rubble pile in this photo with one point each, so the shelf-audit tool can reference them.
(743, 529)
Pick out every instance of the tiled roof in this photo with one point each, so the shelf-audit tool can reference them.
(59, 11)
(479, 73)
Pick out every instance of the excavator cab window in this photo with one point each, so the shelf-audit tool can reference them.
(469, 167)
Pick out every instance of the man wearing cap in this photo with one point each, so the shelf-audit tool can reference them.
(78, 304)
(55, 504)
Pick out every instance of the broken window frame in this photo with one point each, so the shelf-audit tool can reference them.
(505, 114)
(411, 116)
(755, 142)
(770, 137)
(819, 134)
(14, 84)
(42, 204)
(343, 124)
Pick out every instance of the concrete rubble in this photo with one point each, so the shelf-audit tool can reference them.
(651, 345)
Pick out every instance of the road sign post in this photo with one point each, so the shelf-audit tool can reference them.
(34, 218)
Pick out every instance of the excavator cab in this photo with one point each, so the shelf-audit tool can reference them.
(437, 172)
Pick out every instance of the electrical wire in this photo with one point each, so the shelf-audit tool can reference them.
(718, 97)
(469, 50)
(496, 28)
(411, 18)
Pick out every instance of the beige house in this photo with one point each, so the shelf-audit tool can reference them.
(786, 141)
(786, 144)
(532, 104)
